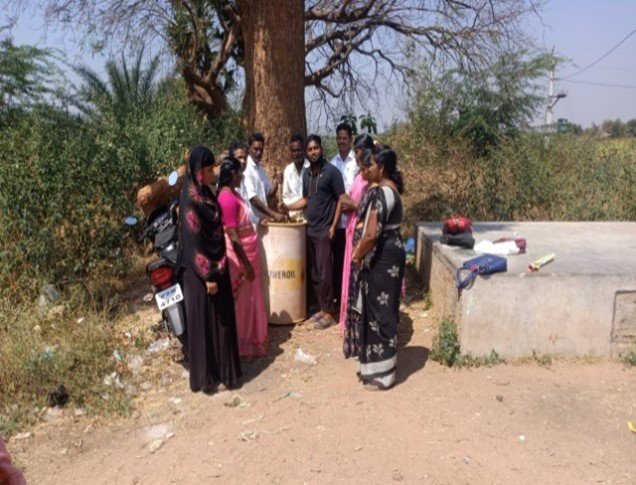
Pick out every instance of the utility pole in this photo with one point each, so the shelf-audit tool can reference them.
(552, 98)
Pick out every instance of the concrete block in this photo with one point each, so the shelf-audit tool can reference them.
(583, 303)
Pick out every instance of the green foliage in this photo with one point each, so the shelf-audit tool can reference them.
(614, 128)
(428, 301)
(482, 107)
(367, 123)
(629, 356)
(594, 180)
(51, 193)
(41, 351)
(351, 120)
(564, 126)
(467, 143)
(329, 146)
(27, 74)
(484, 360)
(128, 90)
(446, 349)
(523, 178)
(67, 182)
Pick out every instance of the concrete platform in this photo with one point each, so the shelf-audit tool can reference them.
(582, 303)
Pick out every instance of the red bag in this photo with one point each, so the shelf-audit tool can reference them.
(457, 225)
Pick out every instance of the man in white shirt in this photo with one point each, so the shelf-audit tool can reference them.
(293, 175)
(346, 163)
(258, 188)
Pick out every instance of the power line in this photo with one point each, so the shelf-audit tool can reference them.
(602, 57)
(591, 83)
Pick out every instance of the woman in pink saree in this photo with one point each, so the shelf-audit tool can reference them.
(244, 261)
(349, 205)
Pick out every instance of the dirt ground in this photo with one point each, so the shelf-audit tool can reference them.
(297, 423)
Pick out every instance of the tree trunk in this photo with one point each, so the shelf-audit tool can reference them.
(274, 40)
(207, 97)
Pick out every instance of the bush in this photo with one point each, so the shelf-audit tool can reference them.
(67, 183)
(629, 356)
(63, 197)
(594, 179)
(522, 178)
(446, 349)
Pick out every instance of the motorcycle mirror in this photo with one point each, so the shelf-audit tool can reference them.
(173, 178)
(131, 221)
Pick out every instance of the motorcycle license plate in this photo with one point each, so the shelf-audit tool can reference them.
(169, 296)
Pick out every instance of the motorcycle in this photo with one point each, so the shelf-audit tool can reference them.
(162, 230)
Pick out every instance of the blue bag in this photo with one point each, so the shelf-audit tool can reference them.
(484, 264)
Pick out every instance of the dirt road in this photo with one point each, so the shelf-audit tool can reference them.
(295, 423)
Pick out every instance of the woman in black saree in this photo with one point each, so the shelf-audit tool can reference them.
(212, 338)
(381, 257)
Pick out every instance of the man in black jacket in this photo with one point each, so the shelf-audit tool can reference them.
(322, 188)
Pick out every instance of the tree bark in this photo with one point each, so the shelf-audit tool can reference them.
(274, 39)
(207, 97)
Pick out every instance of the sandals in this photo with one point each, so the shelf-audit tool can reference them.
(374, 386)
(324, 322)
(321, 321)
(314, 318)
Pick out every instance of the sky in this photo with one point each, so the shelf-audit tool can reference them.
(584, 31)
(579, 30)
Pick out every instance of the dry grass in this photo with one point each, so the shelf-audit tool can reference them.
(524, 178)
(92, 332)
(67, 344)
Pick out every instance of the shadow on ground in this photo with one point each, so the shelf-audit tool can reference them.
(277, 335)
(411, 359)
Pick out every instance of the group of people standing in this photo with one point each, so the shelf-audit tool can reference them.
(355, 254)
